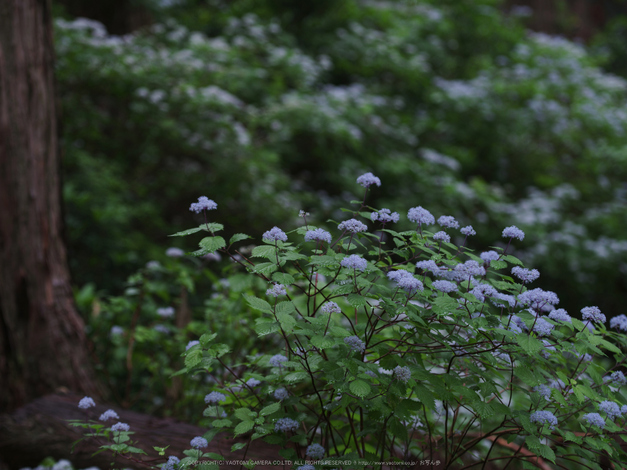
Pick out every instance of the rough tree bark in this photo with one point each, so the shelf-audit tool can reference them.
(42, 340)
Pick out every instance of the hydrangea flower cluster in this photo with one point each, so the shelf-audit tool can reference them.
(281, 394)
(594, 419)
(611, 409)
(285, 425)
(420, 216)
(385, 216)
(165, 312)
(277, 360)
(86, 403)
(468, 231)
(544, 417)
(171, 464)
(120, 427)
(107, 415)
(203, 204)
(331, 307)
(214, 398)
(318, 235)
(355, 344)
(442, 237)
(618, 378)
(619, 322)
(353, 226)
(538, 298)
(444, 286)
(276, 290)
(174, 252)
(402, 373)
(525, 275)
(513, 232)
(488, 256)
(199, 442)
(354, 262)
(191, 344)
(593, 314)
(405, 280)
(448, 221)
(275, 234)
(315, 451)
(560, 315)
(368, 179)
(543, 327)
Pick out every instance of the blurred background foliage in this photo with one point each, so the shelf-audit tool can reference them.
(272, 106)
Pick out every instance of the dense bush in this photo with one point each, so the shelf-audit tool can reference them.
(388, 345)
(266, 102)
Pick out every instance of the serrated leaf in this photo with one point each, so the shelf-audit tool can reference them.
(577, 324)
(398, 429)
(211, 244)
(322, 342)
(530, 345)
(285, 307)
(193, 358)
(264, 251)
(609, 346)
(206, 339)
(265, 327)
(296, 376)
(238, 237)
(258, 304)
(243, 427)
(186, 232)
(444, 305)
(513, 260)
(266, 268)
(323, 260)
(287, 322)
(221, 423)
(359, 388)
(357, 300)
(244, 414)
(526, 375)
(425, 396)
(238, 446)
(268, 410)
(485, 410)
(283, 278)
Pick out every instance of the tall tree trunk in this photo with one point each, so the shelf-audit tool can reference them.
(42, 339)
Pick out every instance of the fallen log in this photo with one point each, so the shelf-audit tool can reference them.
(40, 429)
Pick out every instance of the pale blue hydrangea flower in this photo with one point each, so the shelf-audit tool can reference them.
(162, 329)
(560, 315)
(275, 234)
(86, 402)
(544, 391)
(286, 424)
(276, 290)
(619, 322)
(191, 344)
(543, 327)
(482, 291)
(442, 237)
(174, 252)
(368, 179)
(355, 344)
(538, 298)
(402, 373)
(165, 312)
(171, 463)
(448, 221)
(120, 427)
(611, 409)
(559, 384)
(318, 235)
(281, 394)
(352, 225)
(405, 280)
(203, 204)
(618, 378)
(428, 265)
(252, 382)
(444, 286)
(107, 415)
(470, 268)
(592, 313)
(468, 231)
(277, 360)
(214, 398)
(547, 347)
(420, 216)
(594, 419)
(525, 275)
(354, 262)
(385, 216)
(513, 232)
(199, 442)
(331, 307)
(116, 330)
(488, 256)
(306, 467)
(623, 409)
(315, 451)
(511, 301)
(544, 417)
(516, 324)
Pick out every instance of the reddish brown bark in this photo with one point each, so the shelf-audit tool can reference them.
(42, 339)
